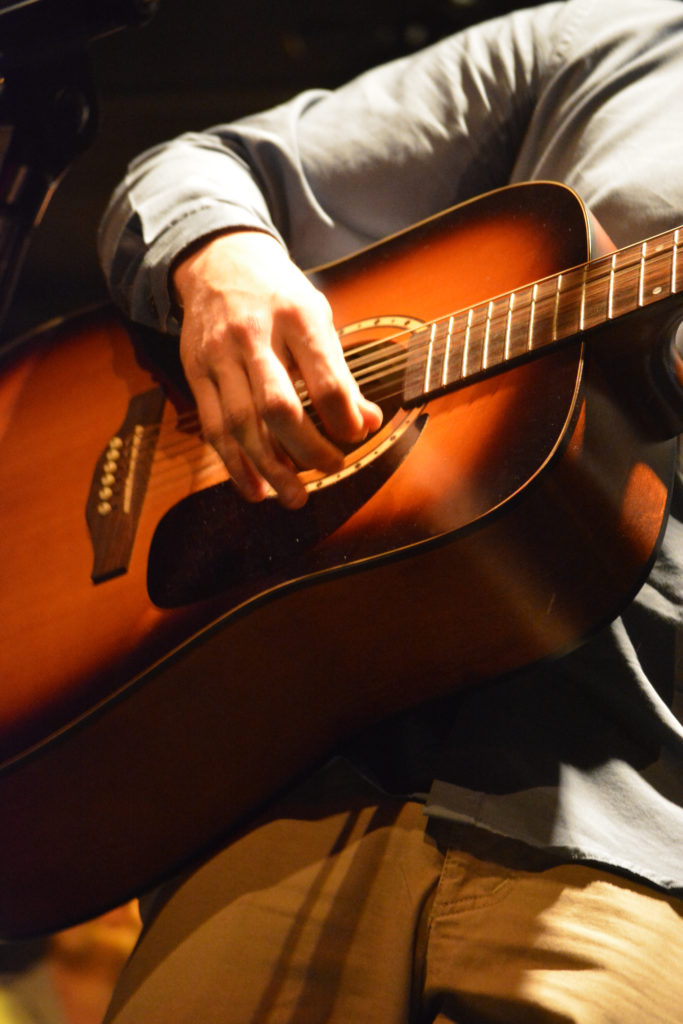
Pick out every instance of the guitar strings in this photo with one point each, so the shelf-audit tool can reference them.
(378, 364)
(366, 373)
(587, 277)
(200, 458)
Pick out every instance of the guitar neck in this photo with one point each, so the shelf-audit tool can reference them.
(488, 337)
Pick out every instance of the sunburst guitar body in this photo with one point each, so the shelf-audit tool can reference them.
(172, 656)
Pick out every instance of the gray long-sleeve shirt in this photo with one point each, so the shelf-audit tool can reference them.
(587, 92)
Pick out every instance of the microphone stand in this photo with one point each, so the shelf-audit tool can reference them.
(48, 108)
(48, 115)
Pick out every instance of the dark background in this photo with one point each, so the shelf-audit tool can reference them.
(196, 63)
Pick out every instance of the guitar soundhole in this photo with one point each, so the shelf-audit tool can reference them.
(212, 542)
(376, 350)
(386, 391)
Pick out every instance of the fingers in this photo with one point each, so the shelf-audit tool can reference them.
(254, 459)
(345, 414)
(252, 319)
(211, 416)
(279, 407)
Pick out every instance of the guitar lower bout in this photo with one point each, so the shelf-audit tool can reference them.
(510, 506)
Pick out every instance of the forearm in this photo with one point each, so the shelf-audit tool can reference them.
(328, 172)
(171, 197)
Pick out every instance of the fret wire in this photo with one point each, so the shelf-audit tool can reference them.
(603, 285)
(477, 337)
(674, 263)
(558, 290)
(508, 325)
(447, 353)
(428, 365)
(582, 307)
(439, 352)
(596, 293)
(655, 274)
(610, 296)
(487, 336)
(466, 346)
(532, 310)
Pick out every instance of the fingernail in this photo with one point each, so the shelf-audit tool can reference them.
(294, 497)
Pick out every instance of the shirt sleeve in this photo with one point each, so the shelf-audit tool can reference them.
(581, 92)
(328, 172)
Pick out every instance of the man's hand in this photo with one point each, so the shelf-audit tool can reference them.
(252, 321)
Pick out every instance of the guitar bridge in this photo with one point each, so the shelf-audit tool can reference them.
(119, 485)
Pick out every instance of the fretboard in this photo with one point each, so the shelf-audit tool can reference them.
(487, 337)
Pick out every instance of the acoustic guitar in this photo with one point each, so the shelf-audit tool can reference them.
(171, 656)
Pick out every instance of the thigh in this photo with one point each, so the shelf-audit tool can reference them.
(309, 916)
(564, 944)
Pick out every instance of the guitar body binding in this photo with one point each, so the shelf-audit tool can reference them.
(148, 712)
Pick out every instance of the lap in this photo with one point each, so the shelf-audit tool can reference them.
(568, 943)
(310, 916)
(338, 906)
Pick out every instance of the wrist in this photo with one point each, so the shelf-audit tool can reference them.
(192, 262)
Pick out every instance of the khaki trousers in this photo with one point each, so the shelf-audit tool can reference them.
(339, 908)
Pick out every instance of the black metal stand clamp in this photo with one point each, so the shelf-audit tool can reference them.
(48, 108)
